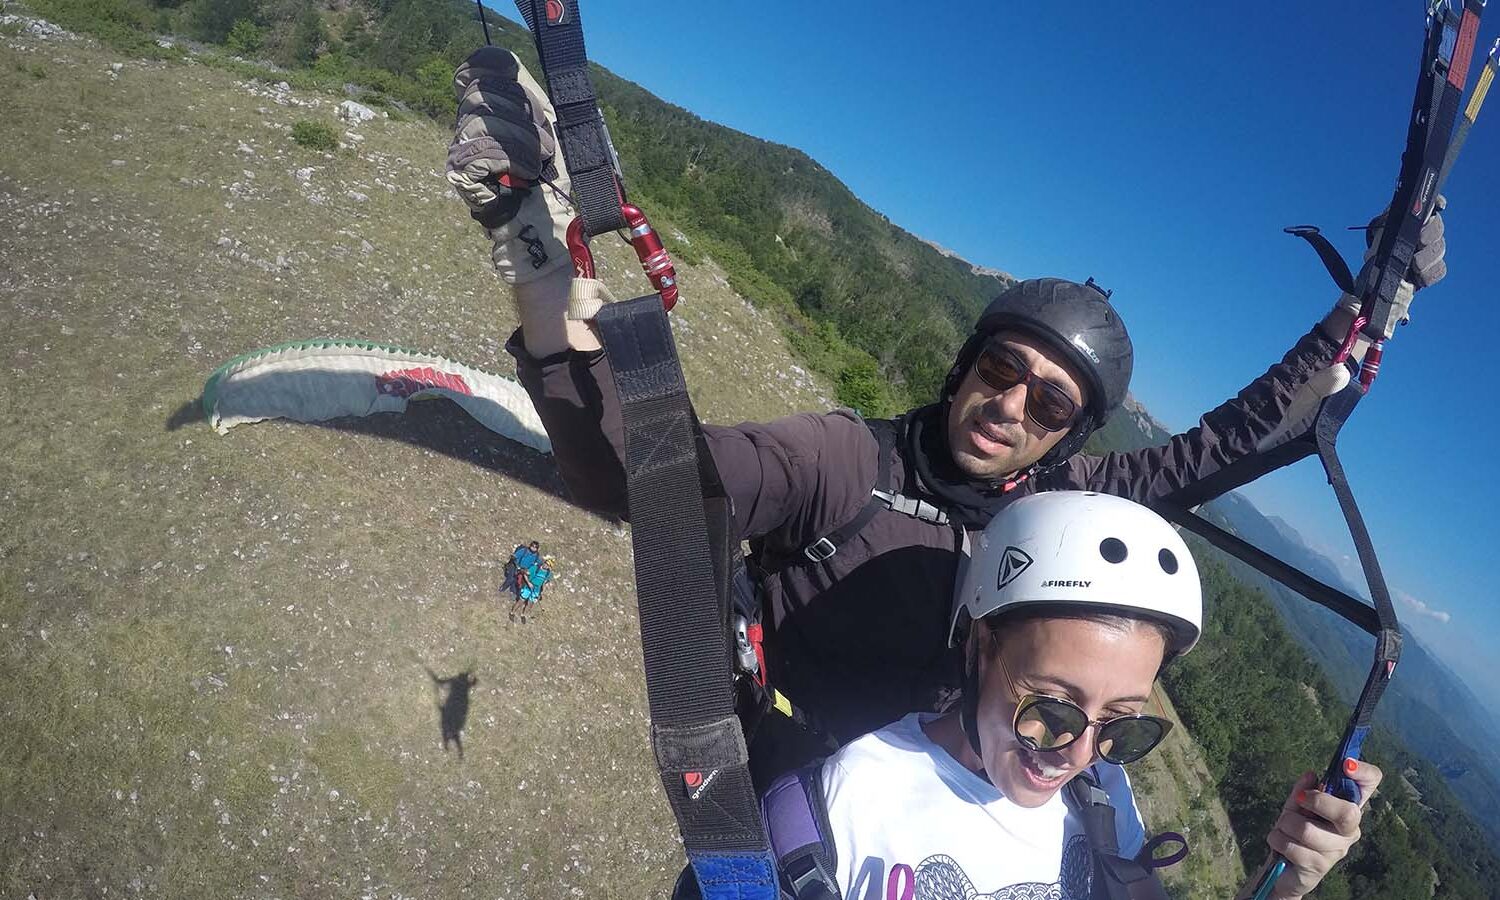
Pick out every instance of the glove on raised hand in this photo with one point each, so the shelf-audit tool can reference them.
(1427, 268)
(504, 134)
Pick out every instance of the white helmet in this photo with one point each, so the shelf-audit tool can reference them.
(1082, 549)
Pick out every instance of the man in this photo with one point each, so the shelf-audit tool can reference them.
(855, 594)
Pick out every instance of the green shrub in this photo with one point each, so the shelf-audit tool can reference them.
(315, 135)
(244, 38)
(861, 388)
(11, 29)
(434, 88)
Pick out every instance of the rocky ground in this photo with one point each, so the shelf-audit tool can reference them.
(215, 647)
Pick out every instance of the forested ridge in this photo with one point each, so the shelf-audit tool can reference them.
(880, 312)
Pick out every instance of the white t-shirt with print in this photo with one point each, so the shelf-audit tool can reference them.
(910, 823)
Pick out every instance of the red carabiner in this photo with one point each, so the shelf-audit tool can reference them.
(654, 258)
(578, 248)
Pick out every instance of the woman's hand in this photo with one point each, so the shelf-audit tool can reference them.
(1315, 830)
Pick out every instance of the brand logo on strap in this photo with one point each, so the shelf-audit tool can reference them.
(696, 782)
(1012, 563)
(557, 12)
(1056, 583)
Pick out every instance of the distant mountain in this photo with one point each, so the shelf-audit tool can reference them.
(1132, 428)
(1004, 279)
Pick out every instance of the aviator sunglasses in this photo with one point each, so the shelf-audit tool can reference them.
(1047, 405)
(1051, 723)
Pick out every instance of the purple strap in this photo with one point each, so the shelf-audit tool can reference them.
(1148, 858)
(788, 814)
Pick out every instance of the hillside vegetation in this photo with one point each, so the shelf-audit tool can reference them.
(220, 641)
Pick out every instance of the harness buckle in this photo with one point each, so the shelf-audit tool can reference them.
(820, 550)
(805, 878)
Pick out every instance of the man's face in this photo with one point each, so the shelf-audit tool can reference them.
(989, 433)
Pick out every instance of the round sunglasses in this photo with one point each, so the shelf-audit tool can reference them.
(1048, 405)
(1047, 723)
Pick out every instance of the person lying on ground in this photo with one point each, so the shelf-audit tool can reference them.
(1048, 362)
(1070, 607)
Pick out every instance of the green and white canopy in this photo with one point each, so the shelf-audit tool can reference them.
(311, 381)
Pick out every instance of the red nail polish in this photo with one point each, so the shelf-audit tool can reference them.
(1351, 765)
(1302, 796)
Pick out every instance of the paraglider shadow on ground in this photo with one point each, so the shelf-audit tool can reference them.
(438, 425)
(453, 706)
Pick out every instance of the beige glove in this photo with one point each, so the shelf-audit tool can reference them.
(500, 153)
(1427, 268)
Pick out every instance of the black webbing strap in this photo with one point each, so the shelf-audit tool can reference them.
(1446, 55)
(1332, 260)
(593, 166)
(700, 748)
(1113, 874)
(1330, 419)
(826, 546)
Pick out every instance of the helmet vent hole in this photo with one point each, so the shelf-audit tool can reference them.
(1168, 561)
(1114, 550)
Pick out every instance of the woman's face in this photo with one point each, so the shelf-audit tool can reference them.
(1106, 670)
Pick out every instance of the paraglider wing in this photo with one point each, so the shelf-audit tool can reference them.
(311, 381)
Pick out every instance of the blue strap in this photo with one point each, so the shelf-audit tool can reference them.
(726, 875)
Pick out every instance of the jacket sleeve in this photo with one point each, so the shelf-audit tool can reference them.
(1224, 435)
(793, 474)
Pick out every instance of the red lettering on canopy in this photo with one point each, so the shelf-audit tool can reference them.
(405, 382)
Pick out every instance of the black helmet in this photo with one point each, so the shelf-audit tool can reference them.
(1073, 319)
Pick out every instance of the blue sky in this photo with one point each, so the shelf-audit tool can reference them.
(1161, 152)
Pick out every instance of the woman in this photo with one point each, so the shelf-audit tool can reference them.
(1069, 608)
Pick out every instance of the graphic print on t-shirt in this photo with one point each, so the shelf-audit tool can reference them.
(940, 877)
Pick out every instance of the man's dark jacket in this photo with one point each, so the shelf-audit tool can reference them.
(860, 639)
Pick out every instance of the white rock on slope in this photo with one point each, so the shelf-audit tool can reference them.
(355, 113)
